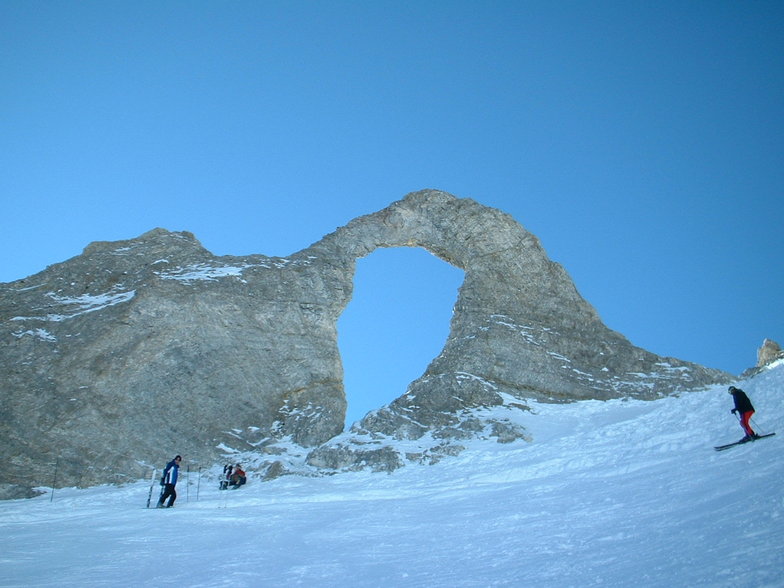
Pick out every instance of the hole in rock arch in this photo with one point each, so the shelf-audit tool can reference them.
(395, 324)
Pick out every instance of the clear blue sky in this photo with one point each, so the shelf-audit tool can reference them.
(642, 142)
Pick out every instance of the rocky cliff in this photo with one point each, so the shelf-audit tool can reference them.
(135, 350)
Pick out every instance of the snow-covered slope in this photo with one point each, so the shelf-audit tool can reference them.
(616, 493)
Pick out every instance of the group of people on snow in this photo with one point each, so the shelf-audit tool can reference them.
(234, 476)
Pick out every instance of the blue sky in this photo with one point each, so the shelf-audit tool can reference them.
(641, 142)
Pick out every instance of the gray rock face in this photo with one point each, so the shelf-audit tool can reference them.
(136, 350)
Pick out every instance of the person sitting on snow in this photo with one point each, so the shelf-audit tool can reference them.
(238, 478)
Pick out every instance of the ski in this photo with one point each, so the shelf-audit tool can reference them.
(741, 442)
(152, 485)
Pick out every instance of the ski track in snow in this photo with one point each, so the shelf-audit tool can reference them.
(613, 493)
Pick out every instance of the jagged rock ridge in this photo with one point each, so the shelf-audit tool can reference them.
(136, 349)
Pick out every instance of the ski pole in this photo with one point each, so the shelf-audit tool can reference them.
(756, 426)
(740, 420)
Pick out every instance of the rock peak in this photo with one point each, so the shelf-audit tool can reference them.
(156, 238)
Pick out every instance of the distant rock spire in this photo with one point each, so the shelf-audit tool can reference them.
(768, 353)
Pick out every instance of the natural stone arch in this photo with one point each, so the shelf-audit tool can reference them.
(520, 330)
(137, 349)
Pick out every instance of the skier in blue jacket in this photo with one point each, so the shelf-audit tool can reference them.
(169, 481)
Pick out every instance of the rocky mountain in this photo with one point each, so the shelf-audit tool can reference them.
(116, 359)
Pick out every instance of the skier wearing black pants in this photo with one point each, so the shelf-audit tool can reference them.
(169, 481)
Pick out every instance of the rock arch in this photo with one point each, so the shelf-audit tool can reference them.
(139, 349)
(520, 331)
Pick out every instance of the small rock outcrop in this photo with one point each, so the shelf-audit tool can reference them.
(117, 359)
(768, 353)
